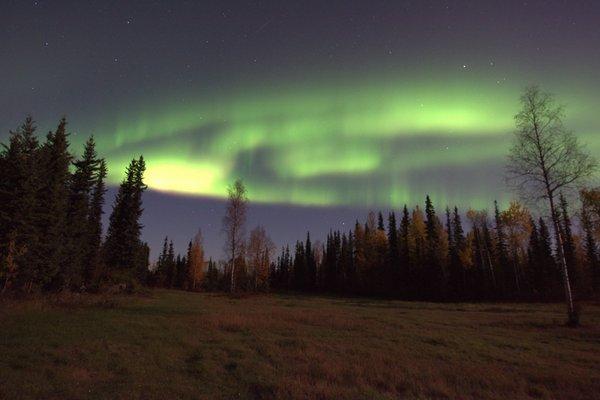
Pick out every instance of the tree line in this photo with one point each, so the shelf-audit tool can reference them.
(416, 255)
(51, 231)
(51, 235)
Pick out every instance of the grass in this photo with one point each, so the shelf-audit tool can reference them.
(190, 345)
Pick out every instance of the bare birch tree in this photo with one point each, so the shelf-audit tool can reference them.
(545, 160)
(234, 223)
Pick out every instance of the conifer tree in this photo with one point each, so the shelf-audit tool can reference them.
(380, 224)
(123, 248)
(81, 185)
(311, 265)
(53, 249)
(19, 193)
(171, 271)
(299, 267)
(433, 273)
(457, 269)
(591, 249)
(212, 276)
(536, 268)
(404, 248)
(92, 261)
(501, 252)
(393, 260)
(550, 273)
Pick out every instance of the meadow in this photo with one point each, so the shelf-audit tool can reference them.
(181, 345)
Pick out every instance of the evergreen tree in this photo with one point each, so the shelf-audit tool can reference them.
(141, 270)
(457, 270)
(534, 259)
(350, 276)
(299, 267)
(591, 248)
(501, 251)
(404, 248)
(171, 266)
(123, 245)
(81, 185)
(284, 265)
(489, 254)
(311, 265)
(549, 262)
(393, 260)
(433, 274)
(380, 224)
(19, 190)
(211, 281)
(92, 261)
(54, 197)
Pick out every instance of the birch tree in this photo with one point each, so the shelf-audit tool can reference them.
(234, 223)
(545, 160)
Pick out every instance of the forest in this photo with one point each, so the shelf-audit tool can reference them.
(52, 239)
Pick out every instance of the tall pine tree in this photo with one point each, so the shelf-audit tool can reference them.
(124, 251)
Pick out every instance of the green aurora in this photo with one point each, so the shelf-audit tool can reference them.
(372, 144)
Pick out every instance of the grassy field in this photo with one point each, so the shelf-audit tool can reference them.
(177, 345)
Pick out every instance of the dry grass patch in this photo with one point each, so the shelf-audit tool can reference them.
(191, 345)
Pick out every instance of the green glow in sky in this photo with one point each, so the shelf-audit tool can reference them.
(358, 144)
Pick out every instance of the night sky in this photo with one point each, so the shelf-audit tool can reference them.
(326, 109)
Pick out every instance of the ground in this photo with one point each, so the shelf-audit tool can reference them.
(179, 345)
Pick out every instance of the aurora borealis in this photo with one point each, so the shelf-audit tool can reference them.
(314, 145)
(344, 105)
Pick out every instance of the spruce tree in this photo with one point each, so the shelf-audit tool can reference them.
(92, 261)
(591, 248)
(299, 267)
(124, 251)
(75, 271)
(380, 224)
(350, 277)
(433, 274)
(404, 236)
(311, 265)
(452, 254)
(536, 269)
(54, 197)
(393, 261)
(170, 266)
(550, 269)
(19, 190)
(162, 263)
(461, 244)
(501, 251)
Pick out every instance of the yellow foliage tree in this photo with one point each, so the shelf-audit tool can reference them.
(517, 221)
